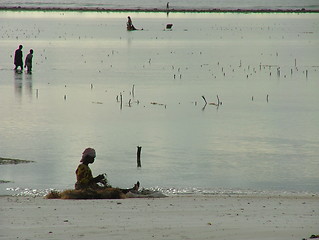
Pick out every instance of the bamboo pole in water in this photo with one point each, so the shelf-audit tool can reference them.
(139, 149)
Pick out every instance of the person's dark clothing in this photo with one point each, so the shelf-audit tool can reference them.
(18, 62)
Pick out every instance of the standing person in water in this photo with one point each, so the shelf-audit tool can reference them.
(18, 62)
(28, 61)
(85, 178)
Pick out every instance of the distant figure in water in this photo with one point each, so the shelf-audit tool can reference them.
(18, 62)
(28, 61)
(167, 5)
(129, 24)
(85, 179)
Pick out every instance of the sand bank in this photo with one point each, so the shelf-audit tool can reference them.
(185, 217)
(159, 10)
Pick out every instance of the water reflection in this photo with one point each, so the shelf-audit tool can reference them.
(18, 83)
(28, 84)
(19, 78)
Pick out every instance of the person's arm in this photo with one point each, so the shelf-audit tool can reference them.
(98, 178)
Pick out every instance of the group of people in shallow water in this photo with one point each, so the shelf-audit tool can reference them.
(18, 60)
(84, 176)
(18, 55)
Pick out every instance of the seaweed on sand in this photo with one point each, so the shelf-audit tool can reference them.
(103, 193)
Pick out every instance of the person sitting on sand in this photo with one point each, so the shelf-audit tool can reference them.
(129, 24)
(85, 178)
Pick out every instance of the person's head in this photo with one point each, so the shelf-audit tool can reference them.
(31, 51)
(20, 47)
(88, 156)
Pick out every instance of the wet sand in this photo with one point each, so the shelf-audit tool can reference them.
(185, 217)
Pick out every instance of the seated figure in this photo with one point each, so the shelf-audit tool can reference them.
(84, 176)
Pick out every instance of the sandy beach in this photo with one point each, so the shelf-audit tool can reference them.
(182, 217)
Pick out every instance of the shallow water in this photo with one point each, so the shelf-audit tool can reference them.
(83, 62)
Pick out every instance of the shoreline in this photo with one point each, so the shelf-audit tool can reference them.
(157, 10)
(184, 192)
(179, 217)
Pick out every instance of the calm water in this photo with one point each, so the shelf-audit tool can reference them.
(84, 61)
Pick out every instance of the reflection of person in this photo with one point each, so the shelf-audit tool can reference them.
(85, 178)
(28, 61)
(18, 62)
(129, 24)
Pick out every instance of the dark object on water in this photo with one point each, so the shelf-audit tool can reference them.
(139, 149)
(169, 26)
(129, 24)
(13, 161)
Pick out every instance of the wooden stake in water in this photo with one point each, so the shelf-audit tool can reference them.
(218, 101)
(121, 100)
(139, 149)
(204, 100)
(133, 91)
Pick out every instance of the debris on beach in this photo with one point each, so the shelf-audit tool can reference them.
(103, 193)
(106, 193)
